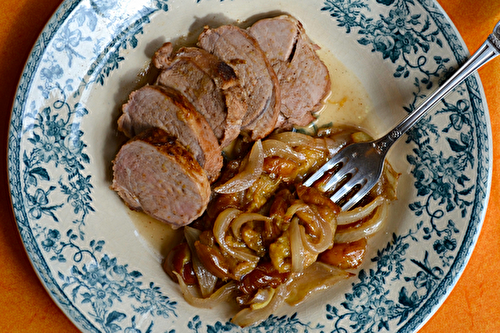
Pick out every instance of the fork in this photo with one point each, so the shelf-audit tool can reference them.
(357, 167)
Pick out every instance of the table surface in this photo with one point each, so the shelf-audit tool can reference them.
(473, 305)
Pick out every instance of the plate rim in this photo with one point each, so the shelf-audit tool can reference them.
(440, 295)
(73, 312)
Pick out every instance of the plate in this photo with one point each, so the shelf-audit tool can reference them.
(101, 263)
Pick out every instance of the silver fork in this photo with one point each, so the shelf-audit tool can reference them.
(360, 165)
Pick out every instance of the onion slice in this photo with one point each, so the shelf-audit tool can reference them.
(359, 213)
(317, 277)
(239, 221)
(293, 209)
(295, 139)
(322, 229)
(392, 181)
(262, 298)
(220, 295)
(248, 176)
(296, 246)
(221, 225)
(206, 280)
(337, 141)
(325, 241)
(278, 148)
(248, 316)
(366, 228)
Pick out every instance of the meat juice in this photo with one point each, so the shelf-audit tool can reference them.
(347, 104)
(157, 237)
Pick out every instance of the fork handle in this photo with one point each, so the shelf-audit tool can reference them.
(489, 50)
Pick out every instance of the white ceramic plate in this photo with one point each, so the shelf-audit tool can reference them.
(100, 264)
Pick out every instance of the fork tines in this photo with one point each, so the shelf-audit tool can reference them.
(344, 181)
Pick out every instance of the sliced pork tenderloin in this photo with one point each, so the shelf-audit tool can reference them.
(154, 173)
(262, 92)
(168, 109)
(208, 83)
(303, 77)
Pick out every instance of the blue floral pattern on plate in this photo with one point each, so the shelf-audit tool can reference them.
(54, 192)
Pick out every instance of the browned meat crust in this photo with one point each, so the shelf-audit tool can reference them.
(154, 173)
(166, 108)
(208, 83)
(262, 92)
(303, 77)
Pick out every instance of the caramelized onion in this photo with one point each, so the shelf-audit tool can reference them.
(221, 225)
(179, 260)
(296, 246)
(262, 298)
(366, 229)
(278, 148)
(325, 241)
(337, 141)
(293, 209)
(265, 275)
(317, 277)
(322, 231)
(206, 280)
(251, 172)
(294, 139)
(320, 144)
(248, 316)
(311, 221)
(320, 228)
(359, 213)
(345, 255)
(313, 196)
(213, 260)
(243, 218)
(296, 242)
(220, 295)
(392, 178)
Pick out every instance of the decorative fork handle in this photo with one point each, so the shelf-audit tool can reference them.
(489, 50)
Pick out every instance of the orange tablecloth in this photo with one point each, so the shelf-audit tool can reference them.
(474, 304)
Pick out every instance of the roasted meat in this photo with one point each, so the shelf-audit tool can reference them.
(166, 108)
(208, 83)
(261, 89)
(303, 78)
(154, 173)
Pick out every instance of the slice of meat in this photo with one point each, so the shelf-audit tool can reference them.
(208, 83)
(166, 108)
(262, 92)
(154, 173)
(303, 77)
